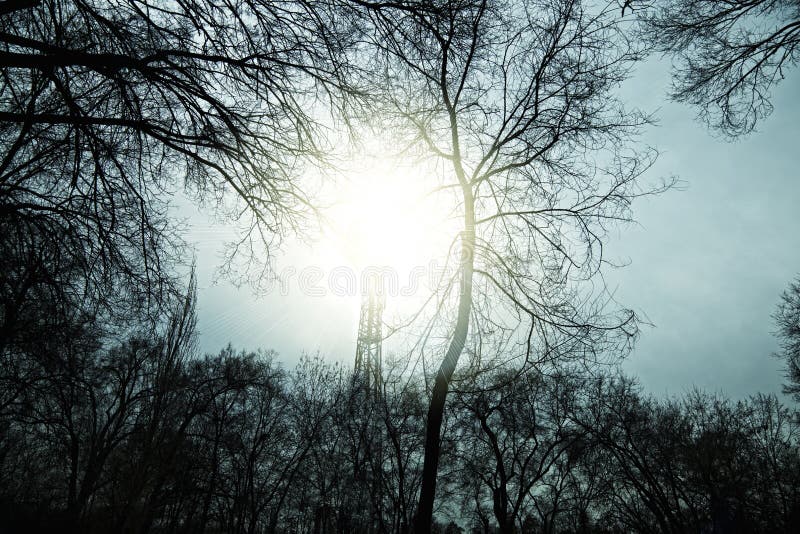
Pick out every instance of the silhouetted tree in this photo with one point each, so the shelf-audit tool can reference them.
(86, 388)
(514, 100)
(138, 433)
(787, 318)
(404, 420)
(106, 108)
(729, 54)
(515, 440)
(701, 463)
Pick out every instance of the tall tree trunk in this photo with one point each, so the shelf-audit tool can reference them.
(500, 493)
(430, 467)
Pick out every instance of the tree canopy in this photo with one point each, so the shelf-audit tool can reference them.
(728, 55)
(108, 108)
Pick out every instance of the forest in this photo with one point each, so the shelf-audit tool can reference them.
(499, 404)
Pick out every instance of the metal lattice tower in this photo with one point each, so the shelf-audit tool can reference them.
(369, 360)
(368, 376)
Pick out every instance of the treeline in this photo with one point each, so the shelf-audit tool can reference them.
(109, 429)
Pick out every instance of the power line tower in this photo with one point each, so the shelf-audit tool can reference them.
(369, 359)
(369, 381)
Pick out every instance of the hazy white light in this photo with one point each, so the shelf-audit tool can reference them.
(384, 213)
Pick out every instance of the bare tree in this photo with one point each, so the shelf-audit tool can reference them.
(82, 399)
(729, 54)
(787, 318)
(106, 108)
(700, 462)
(516, 440)
(514, 102)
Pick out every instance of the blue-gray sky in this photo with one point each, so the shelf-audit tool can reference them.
(707, 263)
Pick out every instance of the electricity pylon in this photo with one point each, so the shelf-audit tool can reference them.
(369, 378)
(369, 360)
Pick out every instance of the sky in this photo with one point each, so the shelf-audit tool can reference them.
(706, 264)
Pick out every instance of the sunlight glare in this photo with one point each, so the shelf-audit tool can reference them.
(385, 214)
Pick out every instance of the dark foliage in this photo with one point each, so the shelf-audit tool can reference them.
(109, 428)
(135, 432)
(787, 318)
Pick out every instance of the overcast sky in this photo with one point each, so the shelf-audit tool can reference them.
(707, 264)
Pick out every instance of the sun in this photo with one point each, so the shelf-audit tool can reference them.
(391, 214)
